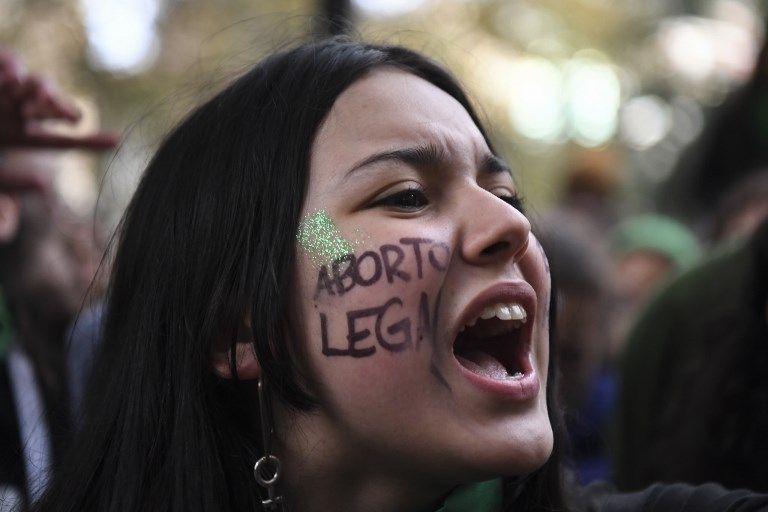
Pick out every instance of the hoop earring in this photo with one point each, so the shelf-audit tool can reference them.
(267, 469)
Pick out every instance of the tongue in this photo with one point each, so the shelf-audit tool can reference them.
(482, 363)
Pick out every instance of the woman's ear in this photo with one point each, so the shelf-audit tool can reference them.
(248, 367)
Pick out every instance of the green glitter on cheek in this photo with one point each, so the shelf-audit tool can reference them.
(361, 239)
(321, 239)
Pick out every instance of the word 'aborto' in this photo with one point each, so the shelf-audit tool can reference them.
(370, 267)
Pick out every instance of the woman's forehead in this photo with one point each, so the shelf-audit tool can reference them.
(390, 109)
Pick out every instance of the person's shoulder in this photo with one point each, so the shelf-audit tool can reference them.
(724, 269)
(672, 498)
(672, 316)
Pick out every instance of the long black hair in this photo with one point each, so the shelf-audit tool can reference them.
(209, 233)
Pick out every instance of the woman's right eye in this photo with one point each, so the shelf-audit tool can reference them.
(411, 199)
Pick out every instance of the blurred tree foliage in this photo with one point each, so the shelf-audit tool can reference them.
(204, 44)
(472, 37)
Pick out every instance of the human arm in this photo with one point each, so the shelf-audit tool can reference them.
(26, 100)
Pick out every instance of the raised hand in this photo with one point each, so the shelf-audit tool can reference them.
(27, 100)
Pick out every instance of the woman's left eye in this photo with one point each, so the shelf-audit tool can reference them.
(512, 198)
(411, 199)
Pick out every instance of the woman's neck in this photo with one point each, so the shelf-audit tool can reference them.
(321, 474)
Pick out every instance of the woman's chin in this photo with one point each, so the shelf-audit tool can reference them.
(518, 458)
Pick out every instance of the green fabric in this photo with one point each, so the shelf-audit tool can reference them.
(657, 234)
(485, 496)
(663, 336)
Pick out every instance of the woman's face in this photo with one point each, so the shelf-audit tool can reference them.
(422, 296)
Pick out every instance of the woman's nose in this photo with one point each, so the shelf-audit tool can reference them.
(493, 230)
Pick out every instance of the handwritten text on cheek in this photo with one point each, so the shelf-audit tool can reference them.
(391, 329)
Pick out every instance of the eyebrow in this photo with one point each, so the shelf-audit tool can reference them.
(425, 156)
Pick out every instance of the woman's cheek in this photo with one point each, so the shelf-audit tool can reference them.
(380, 300)
(535, 269)
(534, 266)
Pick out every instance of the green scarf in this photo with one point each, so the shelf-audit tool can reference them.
(485, 496)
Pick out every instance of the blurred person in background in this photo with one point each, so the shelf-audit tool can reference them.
(648, 250)
(692, 403)
(581, 268)
(592, 181)
(732, 147)
(48, 258)
(694, 388)
(742, 209)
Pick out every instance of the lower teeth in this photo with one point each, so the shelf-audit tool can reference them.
(516, 376)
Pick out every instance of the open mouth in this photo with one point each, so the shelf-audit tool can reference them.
(495, 345)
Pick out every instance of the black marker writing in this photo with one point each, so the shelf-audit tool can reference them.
(375, 275)
(398, 332)
(416, 242)
(391, 266)
(370, 267)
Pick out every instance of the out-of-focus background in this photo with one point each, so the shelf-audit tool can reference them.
(621, 87)
(637, 131)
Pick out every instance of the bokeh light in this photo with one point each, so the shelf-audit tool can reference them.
(535, 99)
(121, 33)
(377, 8)
(645, 121)
(594, 95)
(639, 78)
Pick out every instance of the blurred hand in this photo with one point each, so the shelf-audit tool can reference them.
(27, 100)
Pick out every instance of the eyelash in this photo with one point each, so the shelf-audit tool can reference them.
(516, 201)
(402, 198)
(405, 199)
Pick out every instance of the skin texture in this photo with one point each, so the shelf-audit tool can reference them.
(398, 428)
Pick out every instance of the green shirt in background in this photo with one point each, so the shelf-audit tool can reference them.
(480, 497)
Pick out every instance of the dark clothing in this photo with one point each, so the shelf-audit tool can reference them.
(27, 451)
(693, 405)
(12, 476)
(673, 498)
(601, 497)
(84, 338)
(587, 429)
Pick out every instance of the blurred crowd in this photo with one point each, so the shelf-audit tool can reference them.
(662, 325)
(663, 322)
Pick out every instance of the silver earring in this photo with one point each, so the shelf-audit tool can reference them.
(267, 469)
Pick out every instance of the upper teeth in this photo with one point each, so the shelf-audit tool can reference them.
(510, 311)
